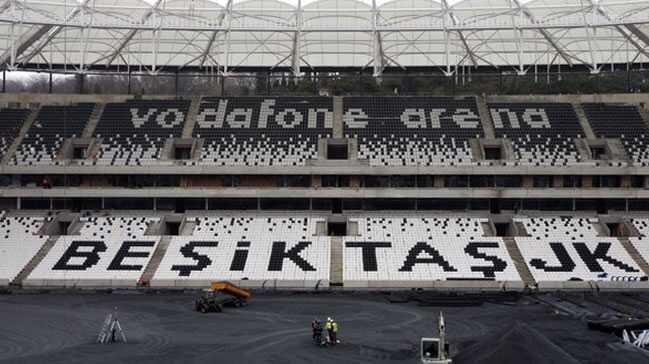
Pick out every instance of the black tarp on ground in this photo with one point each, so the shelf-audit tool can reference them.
(518, 343)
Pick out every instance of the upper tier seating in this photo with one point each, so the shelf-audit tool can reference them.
(134, 132)
(11, 120)
(108, 251)
(270, 251)
(19, 242)
(423, 249)
(542, 134)
(623, 122)
(262, 131)
(45, 137)
(563, 248)
(413, 131)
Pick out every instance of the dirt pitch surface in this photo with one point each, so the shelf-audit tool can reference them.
(274, 328)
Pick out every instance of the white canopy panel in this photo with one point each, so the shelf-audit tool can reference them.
(272, 34)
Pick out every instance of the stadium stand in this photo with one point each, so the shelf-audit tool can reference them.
(641, 242)
(413, 131)
(107, 251)
(134, 132)
(542, 134)
(623, 122)
(269, 251)
(11, 121)
(414, 251)
(563, 249)
(45, 137)
(262, 131)
(19, 241)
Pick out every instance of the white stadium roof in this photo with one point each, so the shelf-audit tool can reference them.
(271, 34)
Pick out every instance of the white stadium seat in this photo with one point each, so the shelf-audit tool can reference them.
(19, 242)
(268, 251)
(414, 249)
(563, 248)
(108, 251)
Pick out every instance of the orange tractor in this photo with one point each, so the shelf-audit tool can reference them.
(220, 295)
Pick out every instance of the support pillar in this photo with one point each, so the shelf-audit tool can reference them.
(176, 84)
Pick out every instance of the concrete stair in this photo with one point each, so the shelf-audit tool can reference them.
(190, 119)
(338, 117)
(336, 263)
(93, 120)
(519, 261)
(583, 120)
(633, 252)
(155, 260)
(485, 118)
(36, 260)
(19, 139)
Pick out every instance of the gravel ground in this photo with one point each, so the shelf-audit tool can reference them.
(274, 328)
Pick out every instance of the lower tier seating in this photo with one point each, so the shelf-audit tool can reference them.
(264, 251)
(19, 242)
(641, 243)
(290, 250)
(569, 249)
(393, 249)
(108, 251)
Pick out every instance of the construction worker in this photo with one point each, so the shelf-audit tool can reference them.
(316, 327)
(329, 328)
(334, 331)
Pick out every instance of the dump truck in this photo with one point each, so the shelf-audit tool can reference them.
(220, 295)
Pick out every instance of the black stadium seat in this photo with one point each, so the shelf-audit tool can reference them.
(623, 122)
(45, 137)
(134, 132)
(413, 131)
(542, 134)
(262, 131)
(11, 120)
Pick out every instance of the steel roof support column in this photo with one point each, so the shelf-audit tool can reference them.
(30, 39)
(129, 36)
(447, 47)
(448, 12)
(594, 67)
(210, 44)
(378, 61)
(623, 31)
(548, 37)
(12, 32)
(519, 34)
(85, 33)
(639, 34)
(295, 51)
(228, 33)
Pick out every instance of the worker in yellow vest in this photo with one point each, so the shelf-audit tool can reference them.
(332, 330)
